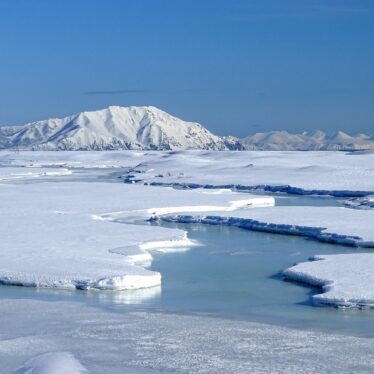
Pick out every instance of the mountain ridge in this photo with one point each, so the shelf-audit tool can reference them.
(314, 141)
(150, 128)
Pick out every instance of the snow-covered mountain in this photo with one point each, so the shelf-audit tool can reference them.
(112, 128)
(147, 128)
(318, 140)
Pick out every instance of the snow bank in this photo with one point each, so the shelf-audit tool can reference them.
(52, 363)
(345, 279)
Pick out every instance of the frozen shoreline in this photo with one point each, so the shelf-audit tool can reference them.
(286, 189)
(311, 222)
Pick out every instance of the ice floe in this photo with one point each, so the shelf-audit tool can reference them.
(366, 202)
(345, 279)
(52, 363)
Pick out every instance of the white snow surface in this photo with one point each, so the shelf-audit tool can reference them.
(345, 279)
(52, 363)
(60, 234)
(309, 172)
(22, 173)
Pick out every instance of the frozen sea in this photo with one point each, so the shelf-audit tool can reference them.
(233, 273)
(223, 306)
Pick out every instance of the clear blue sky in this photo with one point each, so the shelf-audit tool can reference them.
(237, 67)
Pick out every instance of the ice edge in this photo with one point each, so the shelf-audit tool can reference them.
(255, 225)
(287, 189)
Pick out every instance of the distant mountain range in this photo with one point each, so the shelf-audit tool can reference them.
(149, 128)
(315, 141)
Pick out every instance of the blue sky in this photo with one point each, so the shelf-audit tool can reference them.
(237, 67)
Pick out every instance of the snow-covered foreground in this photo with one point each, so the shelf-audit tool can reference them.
(60, 234)
(142, 342)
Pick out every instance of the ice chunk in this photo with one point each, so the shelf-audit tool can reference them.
(346, 279)
(52, 363)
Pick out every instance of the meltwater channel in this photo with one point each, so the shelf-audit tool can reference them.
(235, 274)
